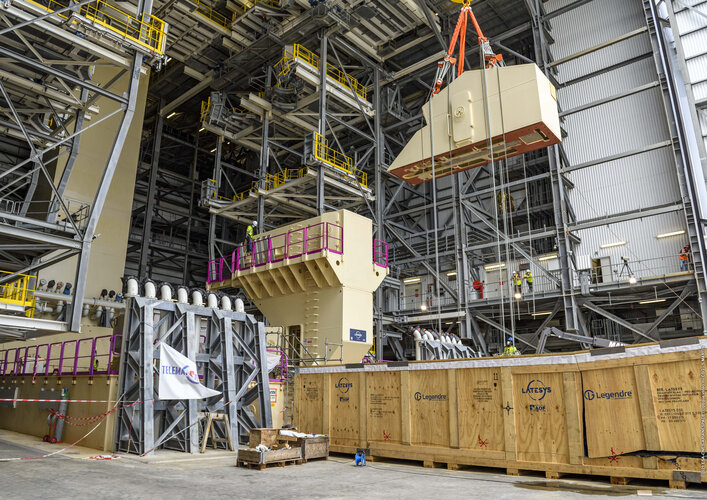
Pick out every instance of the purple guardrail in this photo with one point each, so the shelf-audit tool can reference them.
(73, 357)
(307, 240)
(380, 253)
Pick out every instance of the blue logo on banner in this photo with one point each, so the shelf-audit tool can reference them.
(357, 335)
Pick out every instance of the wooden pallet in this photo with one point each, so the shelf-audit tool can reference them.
(262, 459)
(676, 479)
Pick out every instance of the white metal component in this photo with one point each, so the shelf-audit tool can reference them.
(165, 292)
(150, 290)
(132, 288)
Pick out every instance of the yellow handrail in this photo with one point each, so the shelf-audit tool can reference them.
(19, 292)
(205, 105)
(334, 158)
(306, 55)
(147, 31)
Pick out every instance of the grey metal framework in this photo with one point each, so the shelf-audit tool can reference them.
(260, 119)
(48, 100)
(630, 167)
(230, 351)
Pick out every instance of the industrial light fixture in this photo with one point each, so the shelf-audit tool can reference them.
(451, 273)
(491, 267)
(667, 235)
(632, 280)
(517, 295)
(614, 244)
(213, 150)
(548, 257)
(543, 313)
(202, 129)
(171, 114)
(652, 301)
(409, 281)
(423, 307)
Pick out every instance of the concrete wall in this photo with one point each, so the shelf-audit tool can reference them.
(27, 418)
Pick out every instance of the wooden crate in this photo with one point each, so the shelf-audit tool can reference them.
(264, 436)
(314, 447)
(578, 413)
(264, 458)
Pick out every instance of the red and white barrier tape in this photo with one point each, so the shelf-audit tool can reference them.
(69, 420)
(67, 400)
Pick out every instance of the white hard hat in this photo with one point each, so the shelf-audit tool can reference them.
(255, 223)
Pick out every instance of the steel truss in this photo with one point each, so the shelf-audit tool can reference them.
(49, 99)
(260, 130)
(230, 351)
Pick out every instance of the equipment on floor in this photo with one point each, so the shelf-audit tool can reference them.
(360, 458)
(55, 420)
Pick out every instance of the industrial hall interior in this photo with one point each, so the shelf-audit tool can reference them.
(345, 248)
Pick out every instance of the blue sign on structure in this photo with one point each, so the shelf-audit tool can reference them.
(357, 335)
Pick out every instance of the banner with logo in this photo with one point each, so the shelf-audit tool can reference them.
(178, 377)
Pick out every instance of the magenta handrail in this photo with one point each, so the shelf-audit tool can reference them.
(42, 359)
(295, 243)
(380, 253)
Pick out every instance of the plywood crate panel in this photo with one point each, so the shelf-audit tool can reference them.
(635, 413)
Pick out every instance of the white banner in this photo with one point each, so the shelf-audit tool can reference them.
(178, 377)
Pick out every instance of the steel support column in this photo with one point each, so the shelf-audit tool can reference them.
(322, 116)
(150, 201)
(101, 193)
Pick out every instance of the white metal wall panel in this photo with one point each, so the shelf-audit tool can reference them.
(612, 83)
(633, 181)
(642, 246)
(593, 23)
(633, 122)
(613, 55)
(616, 127)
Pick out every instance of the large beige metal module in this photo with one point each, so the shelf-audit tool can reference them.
(316, 279)
(522, 117)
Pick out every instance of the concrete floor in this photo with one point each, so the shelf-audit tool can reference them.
(73, 474)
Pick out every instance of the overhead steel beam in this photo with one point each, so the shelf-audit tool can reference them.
(38, 236)
(427, 266)
(654, 326)
(39, 264)
(619, 321)
(505, 239)
(502, 328)
(61, 74)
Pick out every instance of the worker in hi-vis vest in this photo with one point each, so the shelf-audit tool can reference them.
(517, 282)
(528, 276)
(249, 235)
(510, 349)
